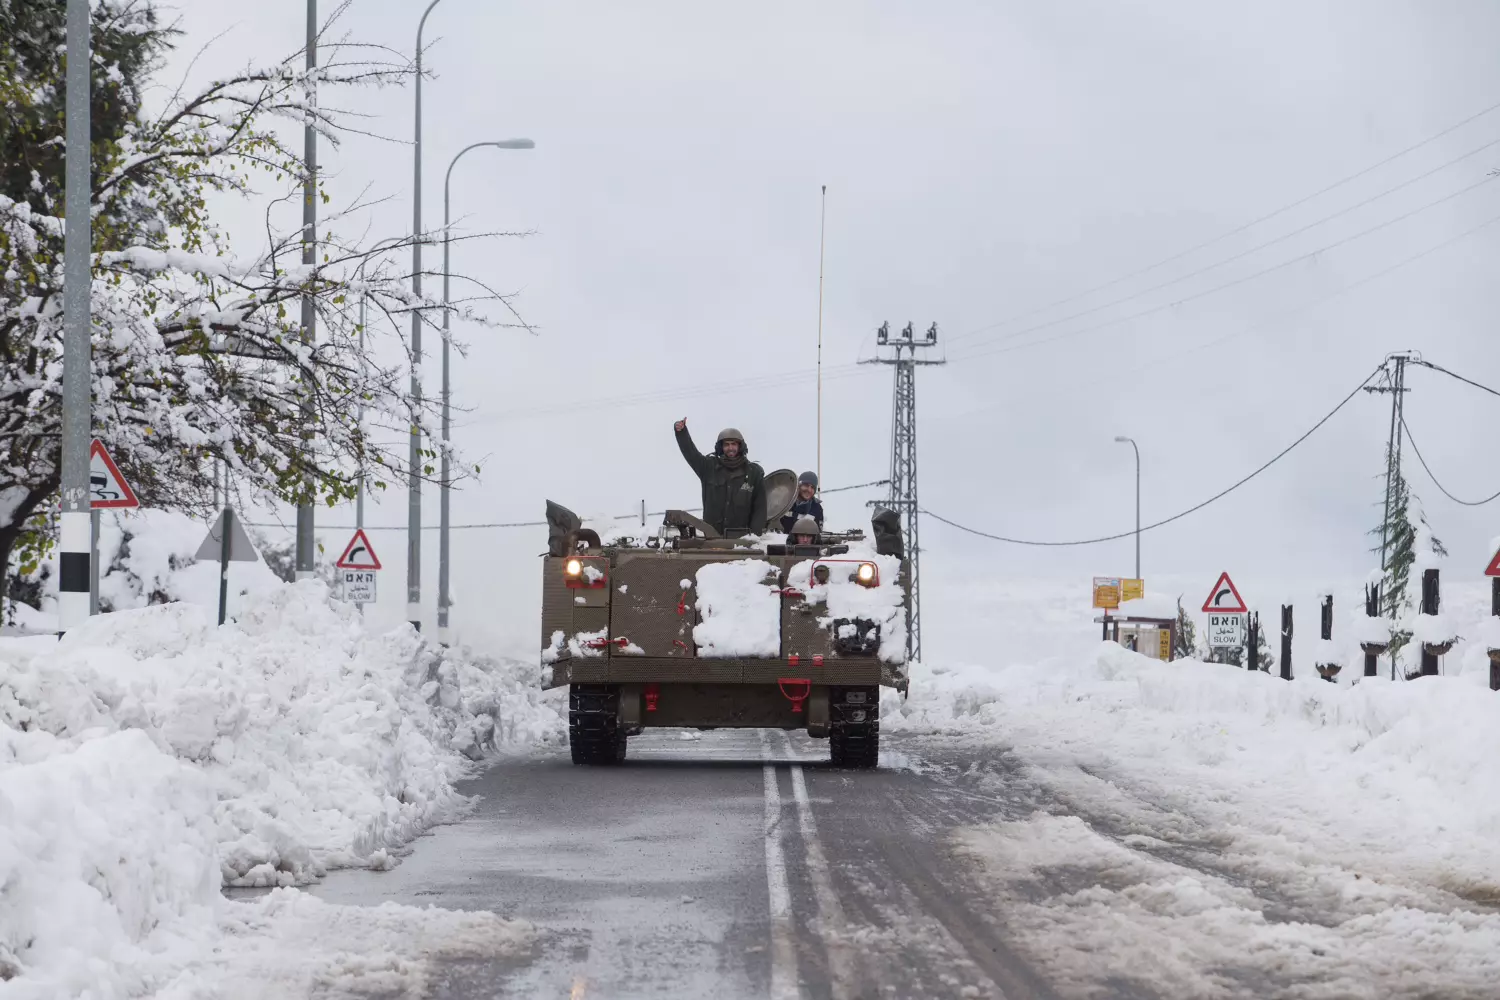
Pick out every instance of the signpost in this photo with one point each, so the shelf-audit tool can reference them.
(1106, 592)
(1226, 610)
(357, 568)
(228, 543)
(107, 489)
(1225, 630)
(1132, 590)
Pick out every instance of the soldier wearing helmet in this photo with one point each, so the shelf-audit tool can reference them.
(805, 531)
(734, 494)
(807, 503)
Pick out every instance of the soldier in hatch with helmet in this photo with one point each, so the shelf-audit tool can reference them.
(734, 494)
(807, 503)
(804, 531)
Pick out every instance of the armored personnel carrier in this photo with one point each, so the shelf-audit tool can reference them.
(680, 628)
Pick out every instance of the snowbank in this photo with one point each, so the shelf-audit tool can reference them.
(150, 756)
(1398, 778)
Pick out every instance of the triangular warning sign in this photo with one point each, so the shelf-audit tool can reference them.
(1493, 569)
(358, 554)
(107, 488)
(1224, 598)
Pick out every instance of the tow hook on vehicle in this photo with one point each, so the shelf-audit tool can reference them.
(793, 695)
(652, 693)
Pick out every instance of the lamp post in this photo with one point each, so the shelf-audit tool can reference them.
(446, 445)
(1125, 440)
(414, 459)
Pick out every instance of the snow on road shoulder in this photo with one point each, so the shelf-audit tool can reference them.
(1362, 818)
(150, 756)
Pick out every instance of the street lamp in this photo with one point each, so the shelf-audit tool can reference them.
(446, 445)
(414, 502)
(1125, 440)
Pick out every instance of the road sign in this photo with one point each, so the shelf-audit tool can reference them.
(107, 488)
(1132, 590)
(1164, 640)
(359, 553)
(1493, 569)
(1224, 598)
(357, 585)
(1225, 630)
(1106, 592)
(240, 547)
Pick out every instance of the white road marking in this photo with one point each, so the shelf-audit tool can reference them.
(841, 967)
(784, 984)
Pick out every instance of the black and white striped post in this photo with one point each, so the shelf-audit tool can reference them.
(75, 543)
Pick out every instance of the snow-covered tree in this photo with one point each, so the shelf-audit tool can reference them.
(1186, 644)
(1406, 536)
(196, 355)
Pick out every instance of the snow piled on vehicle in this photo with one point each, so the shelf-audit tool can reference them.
(150, 757)
(843, 596)
(739, 608)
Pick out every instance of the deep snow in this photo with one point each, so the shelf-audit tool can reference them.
(150, 756)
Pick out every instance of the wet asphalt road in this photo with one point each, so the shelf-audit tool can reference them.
(736, 865)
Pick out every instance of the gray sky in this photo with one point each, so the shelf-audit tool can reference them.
(983, 161)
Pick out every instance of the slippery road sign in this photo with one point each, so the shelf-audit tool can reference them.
(107, 488)
(359, 553)
(1224, 598)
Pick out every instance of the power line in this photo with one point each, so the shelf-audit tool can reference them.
(1175, 517)
(1425, 468)
(1244, 253)
(1237, 230)
(531, 524)
(1001, 348)
(1440, 368)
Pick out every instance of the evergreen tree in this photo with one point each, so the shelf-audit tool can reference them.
(1403, 531)
(1186, 644)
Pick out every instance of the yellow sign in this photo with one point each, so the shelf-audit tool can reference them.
(1106, 592)
(1165, 638)
(1132, 590)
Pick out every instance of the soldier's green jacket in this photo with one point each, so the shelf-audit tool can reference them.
(734, 499)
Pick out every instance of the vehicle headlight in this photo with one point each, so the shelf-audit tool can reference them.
(573, 567)
(867, 574)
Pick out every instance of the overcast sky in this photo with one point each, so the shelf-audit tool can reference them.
(983, 162)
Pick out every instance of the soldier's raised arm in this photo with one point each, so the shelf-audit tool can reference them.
(701, 463)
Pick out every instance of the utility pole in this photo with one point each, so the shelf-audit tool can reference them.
(305, 542)
(1395, 384)
(414, 457)
(75, 558)
(903, 497)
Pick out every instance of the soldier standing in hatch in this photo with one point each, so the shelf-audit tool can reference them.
(807, 503)
(734, 494)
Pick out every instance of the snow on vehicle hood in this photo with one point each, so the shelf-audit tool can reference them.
(844, 597)
(740, 609)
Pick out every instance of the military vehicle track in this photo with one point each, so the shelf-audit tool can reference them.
(595, 735)
(854, 727)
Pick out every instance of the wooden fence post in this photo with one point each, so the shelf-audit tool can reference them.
(1430, 605)
(1495, 653)
(1286, 642)
(1328, 671)
(1372, 610)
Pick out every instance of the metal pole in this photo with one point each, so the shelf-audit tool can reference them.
(305, 543)
(822, 228)
(1122, 439)
(74, 559)
(414, 456)
(445, 445)
(228, 522)
(359, 498)
(447, 425)
(94, 562)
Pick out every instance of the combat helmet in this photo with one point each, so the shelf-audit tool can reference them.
(730, 434)
(806, 525)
